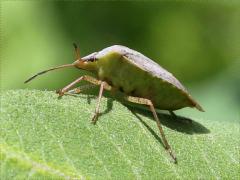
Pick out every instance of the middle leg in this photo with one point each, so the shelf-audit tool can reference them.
(96, 113)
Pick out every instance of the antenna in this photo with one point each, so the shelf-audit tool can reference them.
(43, 72)
(77, 54)
(77, 51)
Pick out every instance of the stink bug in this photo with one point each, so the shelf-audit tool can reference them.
(118, 68)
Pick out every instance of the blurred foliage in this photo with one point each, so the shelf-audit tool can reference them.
(197, 41)
(193, 40)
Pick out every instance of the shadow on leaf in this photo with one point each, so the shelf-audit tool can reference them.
(179, 123)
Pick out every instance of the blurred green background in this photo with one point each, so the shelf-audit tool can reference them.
(197, 41)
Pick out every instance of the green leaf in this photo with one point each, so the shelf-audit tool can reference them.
(42, 136)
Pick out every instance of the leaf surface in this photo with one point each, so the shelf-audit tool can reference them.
(42, 136)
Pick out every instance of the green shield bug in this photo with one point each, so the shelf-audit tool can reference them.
(118, 68)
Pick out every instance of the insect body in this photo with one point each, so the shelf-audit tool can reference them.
(136, 75)
(141, 80)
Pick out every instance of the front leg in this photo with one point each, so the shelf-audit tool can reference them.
(62, 91)
(90, 79)
(103, 85)
(80, 89)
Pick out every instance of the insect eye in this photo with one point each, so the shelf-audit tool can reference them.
(92, 59)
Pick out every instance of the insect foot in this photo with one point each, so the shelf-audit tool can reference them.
(172, 155)
(95, 118)
(60, 92)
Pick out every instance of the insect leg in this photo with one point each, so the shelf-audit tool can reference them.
(95, 117)
(90, 79)
(150, 104)
(95, 81)
(80, 89)
(103, 85)
(66, 88)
